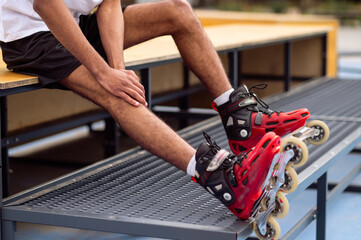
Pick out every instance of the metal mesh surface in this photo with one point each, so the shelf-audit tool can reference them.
(147, 187)
(331, 98)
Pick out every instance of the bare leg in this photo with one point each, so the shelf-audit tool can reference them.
(144, 22)
(138, 122)
(176, 18)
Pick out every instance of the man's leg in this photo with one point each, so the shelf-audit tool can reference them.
(176, 18)
(144, 22)
(138, 122)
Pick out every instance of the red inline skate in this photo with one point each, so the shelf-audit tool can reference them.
(245, 123)
(248, 184)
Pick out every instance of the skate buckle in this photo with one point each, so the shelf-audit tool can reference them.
(217, 160)
(247, 102)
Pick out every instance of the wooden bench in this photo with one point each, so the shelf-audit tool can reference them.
(167, 59)
(167, 71)
(229, 40)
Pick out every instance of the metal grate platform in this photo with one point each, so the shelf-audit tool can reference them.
(332, 99)
(137, 193)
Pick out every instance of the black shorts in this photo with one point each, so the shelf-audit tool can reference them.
(42, 55)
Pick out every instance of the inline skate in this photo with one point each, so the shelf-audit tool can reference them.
(245, 123)
(249, 184)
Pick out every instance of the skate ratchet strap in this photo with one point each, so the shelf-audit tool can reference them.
(217, 160)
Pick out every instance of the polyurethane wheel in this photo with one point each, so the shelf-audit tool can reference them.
(281, 205)
(299, 148)
(291, 180)
(324, 132)
(273, 230)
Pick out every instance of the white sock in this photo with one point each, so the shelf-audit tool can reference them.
(223, 98)
(191, 168)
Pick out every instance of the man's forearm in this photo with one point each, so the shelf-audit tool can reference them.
(64, 27)
(111, 29)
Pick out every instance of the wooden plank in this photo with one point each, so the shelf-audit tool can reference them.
(223, 37)
(10, 79)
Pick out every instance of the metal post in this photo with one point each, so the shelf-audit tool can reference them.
(9, 229)
(233, 62)
(146, 81)
(1, 174)
(184, 101)
(4, 149)
(287, 66)
(111, 143)
(321, 207)
(324, 55)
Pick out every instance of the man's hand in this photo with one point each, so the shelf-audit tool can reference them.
(124, 84)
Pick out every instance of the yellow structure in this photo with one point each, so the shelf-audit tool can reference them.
(213, 17)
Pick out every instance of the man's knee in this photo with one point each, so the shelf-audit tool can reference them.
(182, 13)
(182, 6)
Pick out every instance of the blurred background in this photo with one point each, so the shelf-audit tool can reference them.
(347, 11)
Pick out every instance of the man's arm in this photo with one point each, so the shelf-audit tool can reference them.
(111, 28)
(64, 27)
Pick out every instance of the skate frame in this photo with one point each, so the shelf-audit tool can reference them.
(274, 180)
(303, 133)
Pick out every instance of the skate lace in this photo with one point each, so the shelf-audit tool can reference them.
(215, 148)
(213, 145)
(266, 109)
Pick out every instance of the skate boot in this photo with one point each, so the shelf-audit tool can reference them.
(245, 123)
(236, 181)
(250, 184)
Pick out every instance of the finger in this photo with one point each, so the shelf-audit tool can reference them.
(138, 97)
(130, 72)
(136, 81)
(135, 95)
(137, 86)
(128, 99)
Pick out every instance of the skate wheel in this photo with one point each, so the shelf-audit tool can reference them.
(291, 180)
(324, 132)
(273, 230)
(299, 148)
(281, 205)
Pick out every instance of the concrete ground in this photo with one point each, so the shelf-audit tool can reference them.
(344, 215)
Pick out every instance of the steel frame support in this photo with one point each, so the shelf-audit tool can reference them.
(1, 176)
(321, 207)
(53, 128)
(324, 55)
(146, 81)
(4, 149)
(9, 229)
(233, 62)
(287, 66)
(184, 102)
(111, 143)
